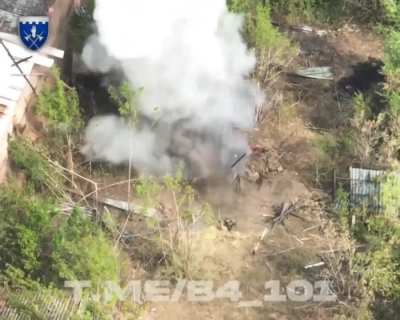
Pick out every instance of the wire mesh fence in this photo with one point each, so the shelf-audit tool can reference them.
(364, 186)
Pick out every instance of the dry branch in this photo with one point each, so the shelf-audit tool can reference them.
(261, 239)
(282, 213)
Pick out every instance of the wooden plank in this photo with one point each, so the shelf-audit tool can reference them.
(11, 57)
(18, 82)
(54, 52)
(7, 102)
(21, 53)
(10, 94)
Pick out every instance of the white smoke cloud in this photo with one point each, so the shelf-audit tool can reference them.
(189, 57)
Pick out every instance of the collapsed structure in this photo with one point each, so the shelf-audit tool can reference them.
(22, 71)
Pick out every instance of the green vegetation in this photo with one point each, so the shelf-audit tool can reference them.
(333, 11)
(82, 26)
(370, 136)
(59, 104)
(31, 160)
(375, 133)
(258, 29)
(31, 230)
(41, 248)
(26, 226)
(174, 242)
(127, 102)
(46, 239)
(273, 50)
(81, 250)
(386, 12)
(377, 266)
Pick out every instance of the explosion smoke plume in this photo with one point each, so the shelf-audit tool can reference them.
(193, 65)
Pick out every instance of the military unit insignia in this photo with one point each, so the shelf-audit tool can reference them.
(34, 31)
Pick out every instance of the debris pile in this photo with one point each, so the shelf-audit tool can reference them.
(262, 164)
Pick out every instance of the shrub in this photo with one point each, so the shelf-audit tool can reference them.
(241, 6)
(390, 11)
(173, 238)
(60, 105)
(273, 49)
(381, 263)
(81, 251)
(326, 146)
(378, 265)
(334, 11)
(127, 100)
(24, 231)
(391, 196)
(29, 242)
(31, 160)
(392, 61)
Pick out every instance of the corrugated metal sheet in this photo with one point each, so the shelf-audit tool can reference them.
(45, 304)
(365, 187)
(14, 89)
(321, 73)
(10, 10)
(8, 21)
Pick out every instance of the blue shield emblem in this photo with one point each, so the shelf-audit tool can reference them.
(34, 31)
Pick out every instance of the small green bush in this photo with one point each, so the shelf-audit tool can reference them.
(60, 105)
(24, 231)
(326, 146)
(392, 62)
(274, 51)
(31, 243)
(127, 100)
(31, 160)
(258, 29)
(381, 263)
(81, 251)
(336, 11)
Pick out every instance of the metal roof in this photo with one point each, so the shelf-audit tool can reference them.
(45, 304)
(10, 10)
(25, 7)
(13, 85)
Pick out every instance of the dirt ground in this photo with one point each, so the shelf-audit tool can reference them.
(285, 251)
(306, 108)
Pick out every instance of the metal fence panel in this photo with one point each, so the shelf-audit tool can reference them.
(365, 188)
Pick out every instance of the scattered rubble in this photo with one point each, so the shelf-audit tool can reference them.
(263, 163)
